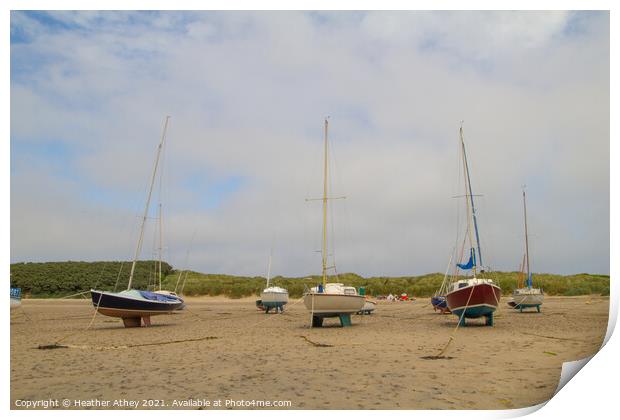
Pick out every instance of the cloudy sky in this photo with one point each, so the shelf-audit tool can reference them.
(248, 92)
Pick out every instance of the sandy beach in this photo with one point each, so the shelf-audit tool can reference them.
(225, 349)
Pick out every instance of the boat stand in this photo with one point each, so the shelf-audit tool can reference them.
(278, 308)
(537, 308)
(488, 321)
(345, 320)
(137, 322)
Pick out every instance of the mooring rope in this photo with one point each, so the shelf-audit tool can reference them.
(126, 346)
(443, 351)
(76, 294)
(57, 343)
(21, 310)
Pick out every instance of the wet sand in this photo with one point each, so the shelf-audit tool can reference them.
(227, 350)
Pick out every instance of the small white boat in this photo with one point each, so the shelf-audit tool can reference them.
(526, 296)
(274, 297)
(334, 299)
(368, 308)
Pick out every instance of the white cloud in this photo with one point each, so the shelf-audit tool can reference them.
(248, 91)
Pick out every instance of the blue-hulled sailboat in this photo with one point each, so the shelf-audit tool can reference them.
(439, 301)
(131, 305)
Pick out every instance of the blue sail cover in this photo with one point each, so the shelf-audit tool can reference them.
(471, 263)
(158, 297)
(529, 281)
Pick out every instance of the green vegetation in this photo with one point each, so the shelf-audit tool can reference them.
(56, 279)
(419, 286)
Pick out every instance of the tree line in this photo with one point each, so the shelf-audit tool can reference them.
(58, 279)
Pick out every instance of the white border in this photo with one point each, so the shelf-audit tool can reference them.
(592, 394)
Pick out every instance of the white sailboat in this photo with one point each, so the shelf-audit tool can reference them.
(526, 296)
(272, 297)
(330, 299)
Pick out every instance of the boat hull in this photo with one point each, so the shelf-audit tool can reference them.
(274, 298)
(526, 298)
(327, 304)
(120, 306)
(368, 308)
(474, 301)
(440, 304)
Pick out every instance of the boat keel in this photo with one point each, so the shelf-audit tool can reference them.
(137, 321)
(345, 320)
(488, 320)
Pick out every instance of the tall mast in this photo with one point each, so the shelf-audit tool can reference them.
(146, 207)
(186, 260)
(471, 197)
(467, 202)
(324, 248)
(268, 271)
(161, 234)
(527, 248)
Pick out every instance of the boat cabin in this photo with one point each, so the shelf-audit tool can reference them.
(469, 282)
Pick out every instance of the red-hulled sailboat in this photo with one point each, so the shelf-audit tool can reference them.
(472, 297)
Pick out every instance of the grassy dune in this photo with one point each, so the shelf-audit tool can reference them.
(421, 286)
(56, 279)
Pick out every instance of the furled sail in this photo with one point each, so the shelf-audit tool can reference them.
(471, 263)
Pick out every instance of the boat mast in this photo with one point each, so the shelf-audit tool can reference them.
(467, 202)
(160, 242)
(269, 270)
(527, 248)
(324, 248)
(186, 260)
(146, 207)
(471, 197)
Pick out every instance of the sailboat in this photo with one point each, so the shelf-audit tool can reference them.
(131, 305)
(526, 296)
(272, 296)
(472, 297)
(330, 299)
